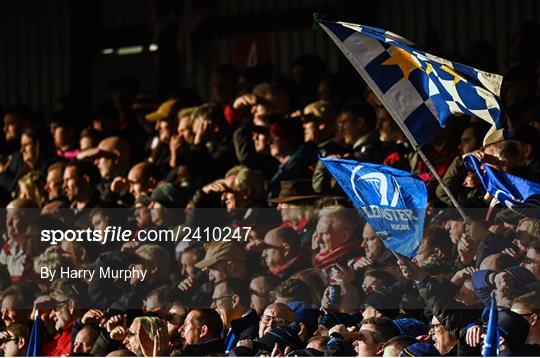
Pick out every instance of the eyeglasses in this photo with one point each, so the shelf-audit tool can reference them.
(435, 325)
(5, 340)
(215, 300)
(257, 293)
(278, 321)
(59, 304)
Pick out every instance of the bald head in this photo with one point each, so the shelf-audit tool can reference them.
(143, 178)
(112, 157)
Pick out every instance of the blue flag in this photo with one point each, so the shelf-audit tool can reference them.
(420, 91)
(491, 340)
(392, 201)
(35, 345)
(507, 188)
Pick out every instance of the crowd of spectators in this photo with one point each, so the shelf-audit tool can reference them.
(312, 278)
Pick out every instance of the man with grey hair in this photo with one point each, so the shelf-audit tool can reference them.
(336, 238)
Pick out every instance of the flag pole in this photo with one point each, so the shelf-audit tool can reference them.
(397, 118)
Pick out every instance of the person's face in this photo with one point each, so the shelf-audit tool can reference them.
(187, 264)
(369, 312)
(184, 130)
(218, 272)
(61, 315)
(86, 142)
(329, 237)
(132, 341)
(99, 222)
(137, 183)
(191, 329)
(14, 224)
(62, 136)
(523, 238)
(287, 212)
(310, 132)
(532, 262)
(53, 184)
(157, 213)
(84, 340)
(260, 142)
(10, 312)
(391, 351)
(28, 149)
(371, 243)
(366, 346)
(466, 294)
(422, 254)
(274, 251)
(72, 183)
(106, 166)
(164, 131)
(11, 127)
(277, 146)
(273, 318)
(348, 128)
(13, 347)
(175, 318)
(142, 215)
(259, 294)
(468, 142)
(436, 329)
(222, 302)
(457, 228)
(371, 284)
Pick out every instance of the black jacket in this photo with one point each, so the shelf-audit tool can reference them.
(213, 347)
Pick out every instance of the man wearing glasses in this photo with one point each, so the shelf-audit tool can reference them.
(68, 299)
(14, 340)
(231, 300)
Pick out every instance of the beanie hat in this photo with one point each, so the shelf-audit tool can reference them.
(522, 276)
(411, 327)
(283, 336)
(331, 319)
(385, 301)
(513, 327)
(169, 196)
(420, 350)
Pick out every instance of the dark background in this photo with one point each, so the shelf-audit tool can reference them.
(50, 48)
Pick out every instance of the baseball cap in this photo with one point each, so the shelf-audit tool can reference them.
(219, 251)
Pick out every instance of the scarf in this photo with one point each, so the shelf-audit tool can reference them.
(298, 259)
(322, 260)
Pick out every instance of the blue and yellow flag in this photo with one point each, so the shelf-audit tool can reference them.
(421, 91)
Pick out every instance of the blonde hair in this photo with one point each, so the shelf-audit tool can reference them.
(152, 325)
(534, 227)
(250, 180)
(32, 181)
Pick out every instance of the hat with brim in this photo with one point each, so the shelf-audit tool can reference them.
(221, 251)
(295, 190)
(163, 111)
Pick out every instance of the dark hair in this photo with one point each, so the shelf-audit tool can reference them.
(293, 290)
(361, 109)
(437, 237)
(164, 296)
(384, 328)
(211, 319)
(400, 342)
(530, 300)
(385, 277)
(239, 287)
(85, 167)
(211, 112)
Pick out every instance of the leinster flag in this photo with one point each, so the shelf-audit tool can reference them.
(392, 201)
(35, 344)
(491, 340)
(507, 188)
(419, 90)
